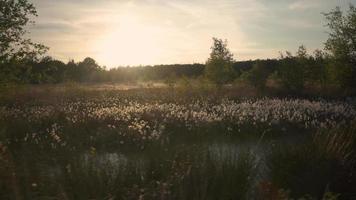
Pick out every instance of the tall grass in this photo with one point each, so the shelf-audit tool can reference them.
(326, 163)
(190, 172)
(150, 144)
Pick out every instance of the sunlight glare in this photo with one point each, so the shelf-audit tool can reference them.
(130, 43)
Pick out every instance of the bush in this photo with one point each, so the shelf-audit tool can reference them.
(324, 164)
(257, 76)
(340, 74)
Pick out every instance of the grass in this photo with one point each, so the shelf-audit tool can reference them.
(78, 142)
(323, 164)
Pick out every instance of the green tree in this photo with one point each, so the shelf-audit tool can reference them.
(14, 16)
(318, 69)
(84, 70)
(341, 44)
(219, 65)
(303, 62)
(257, 76)
(51, 70)
(290, 72)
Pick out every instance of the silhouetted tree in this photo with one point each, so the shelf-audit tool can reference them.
(219, 65)
(51, 70)
(14, 16)
(341, 44)
(257, 76)
(318, 68)
(83, 71)
(304, 63)
(290, 73)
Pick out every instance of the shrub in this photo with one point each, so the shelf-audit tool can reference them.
(257, 76)
(325, 163)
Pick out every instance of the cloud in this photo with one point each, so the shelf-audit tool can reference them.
(180, 29)
(302, 5)
(53, 26)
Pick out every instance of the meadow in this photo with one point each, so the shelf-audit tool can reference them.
(225, 128)
(110, 142)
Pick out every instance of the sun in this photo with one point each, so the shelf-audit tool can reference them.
(129, 43)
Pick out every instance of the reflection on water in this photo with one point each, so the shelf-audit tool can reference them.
(220, 153)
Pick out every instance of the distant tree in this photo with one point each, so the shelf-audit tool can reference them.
(341, 44)
(85, 70)
(14, 16)
(318, 71)
(51, 70)
(290, 72)
(302, 54)
(219, 65)
(171, 80)
(257, 76)
(304, 63)
(89, 64)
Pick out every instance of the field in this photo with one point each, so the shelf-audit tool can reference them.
(85, 142)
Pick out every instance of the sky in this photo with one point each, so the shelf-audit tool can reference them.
(147, 32)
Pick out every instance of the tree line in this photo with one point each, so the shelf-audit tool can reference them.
(49, 70)
(22, 61)
(335, 66)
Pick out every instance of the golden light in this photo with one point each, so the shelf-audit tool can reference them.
(130, 43)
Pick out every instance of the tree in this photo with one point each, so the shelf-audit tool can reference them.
(257, 76)
(219, 65)
(290, 72)
(318, 71)
(86, 69)
(341, 44)
(51, 70)
(304, 63)
(14, 16)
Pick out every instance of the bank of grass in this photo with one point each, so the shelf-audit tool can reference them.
(53, 158)
(179, 173)
(316, 168)
(325, 164)
(181, 89)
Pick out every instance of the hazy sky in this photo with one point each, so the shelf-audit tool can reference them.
(132, 32)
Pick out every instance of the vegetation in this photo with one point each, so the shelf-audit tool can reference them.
(201, 134)
(323, 71)
(219, 65)
(150, 143)
(257, 76)
(342, 45)
(15, 15)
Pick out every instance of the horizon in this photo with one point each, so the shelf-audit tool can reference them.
(155, 32)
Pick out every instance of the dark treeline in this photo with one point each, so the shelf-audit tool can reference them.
(22, 61)
(49, 70)
(293, 71)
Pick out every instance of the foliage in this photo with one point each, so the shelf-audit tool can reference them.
(340, 73)
(15, 15)
(324, 164)
(317, 73)
(342, 35)
(82, 143)
(257, 76)
(336, 67)
(171, 80)
(291, 73)
(342, 44)
(219, 65)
